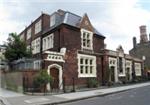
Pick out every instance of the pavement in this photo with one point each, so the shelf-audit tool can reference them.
(138, 96)
(13, 98)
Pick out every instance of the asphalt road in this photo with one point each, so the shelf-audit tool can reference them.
(138, 96)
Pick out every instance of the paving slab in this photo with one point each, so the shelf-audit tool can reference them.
(8, 93)
(34, 100)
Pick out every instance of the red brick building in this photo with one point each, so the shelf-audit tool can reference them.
(67, 46)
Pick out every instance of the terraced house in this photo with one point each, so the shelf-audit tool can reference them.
(123, 67)
(67, 46)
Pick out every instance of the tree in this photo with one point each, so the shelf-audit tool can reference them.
(16, 48)
(42, 79)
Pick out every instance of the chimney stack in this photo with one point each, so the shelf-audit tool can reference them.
(61, 12)
(143, 34)
(134, 42)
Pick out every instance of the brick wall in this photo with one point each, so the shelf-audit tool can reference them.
(12, 81)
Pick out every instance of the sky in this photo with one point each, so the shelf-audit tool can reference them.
(117, 20)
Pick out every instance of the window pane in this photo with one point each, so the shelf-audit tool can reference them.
(81, 61)
(84, 35)
(86, 61)
(81, 69)
(91, 69)
(86, 69)
(48, 42)
(91, 62)
(84, 43)
(88, 36)
(88, 43)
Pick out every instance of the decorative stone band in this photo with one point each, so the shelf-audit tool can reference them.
(54, 56)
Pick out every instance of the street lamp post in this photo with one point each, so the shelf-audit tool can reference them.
(143, 72)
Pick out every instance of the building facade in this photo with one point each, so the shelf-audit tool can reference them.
(122, 67)
(141, 50)
(72, 51)
(67, 46)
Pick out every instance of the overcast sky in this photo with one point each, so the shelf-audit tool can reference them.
(118, 20)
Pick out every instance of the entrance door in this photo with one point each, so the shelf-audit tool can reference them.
(112, 74)
(128, 74)
(54, 72)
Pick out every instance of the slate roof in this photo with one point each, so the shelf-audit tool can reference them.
(73, 20)
(69, 19)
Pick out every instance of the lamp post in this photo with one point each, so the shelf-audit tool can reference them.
(143, 72)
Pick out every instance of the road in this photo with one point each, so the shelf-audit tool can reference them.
(138, 96)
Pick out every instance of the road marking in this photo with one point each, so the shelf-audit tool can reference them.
(34, 100)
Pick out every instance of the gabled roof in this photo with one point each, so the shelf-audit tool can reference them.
(74, 20)
(70, 19)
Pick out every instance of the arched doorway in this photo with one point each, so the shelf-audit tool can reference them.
(55, 71)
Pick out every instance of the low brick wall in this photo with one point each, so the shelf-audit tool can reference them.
(15, 80)
(12, 81)
(28, 77)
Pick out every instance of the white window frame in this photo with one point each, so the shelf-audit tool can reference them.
(52, 20)
(37, 64)
(128, 63)
(29, 33)
(137, 69)
(38, 26)
(36, 45)
(48, 42)
(88, 36)
(112, 61)
(87, 58)
(44, 43)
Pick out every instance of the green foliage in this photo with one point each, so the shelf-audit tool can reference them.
(92, 83)
(42, 79)
(16, 48)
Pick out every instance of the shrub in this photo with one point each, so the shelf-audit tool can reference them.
(42, 79)
(109, 83)
(92, 83)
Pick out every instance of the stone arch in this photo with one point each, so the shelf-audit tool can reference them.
(60, 74)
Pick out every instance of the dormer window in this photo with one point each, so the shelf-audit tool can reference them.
(38, 26)
(86, 39)
(52, 20)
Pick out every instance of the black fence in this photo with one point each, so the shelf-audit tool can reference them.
(29, 86)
